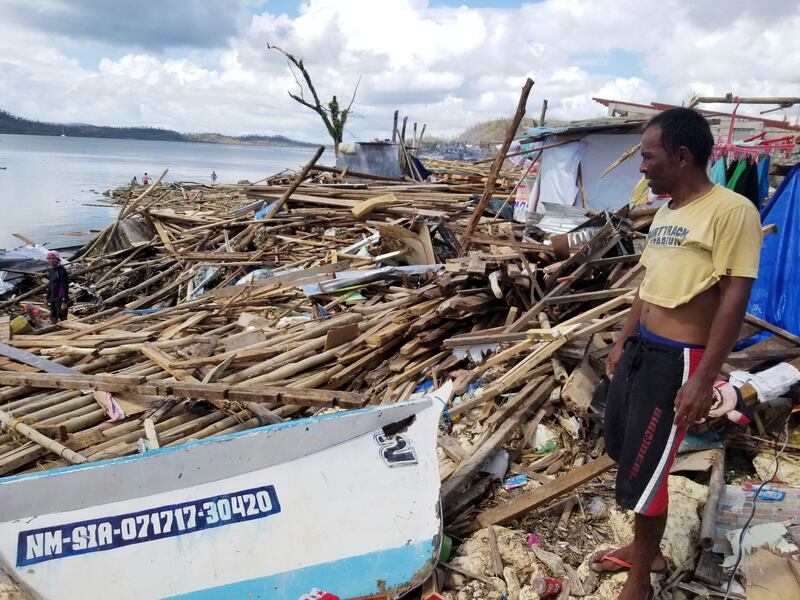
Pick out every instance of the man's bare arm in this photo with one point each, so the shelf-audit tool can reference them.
(695, 397)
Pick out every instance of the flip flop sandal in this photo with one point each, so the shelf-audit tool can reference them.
(624, 565)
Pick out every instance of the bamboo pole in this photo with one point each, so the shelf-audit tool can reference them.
(29, 432)
(495, 170)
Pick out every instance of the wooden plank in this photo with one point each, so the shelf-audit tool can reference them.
(150, 432)
(587, 296)
(97, 327)
(716, 484)
(528, 501)
(753, 320)
(494, 550)
(579, 388)
(5, 328)
(190, 322)
(210, 391)
(451, 448)
(367, 206)
(341, 335)
(162, 233)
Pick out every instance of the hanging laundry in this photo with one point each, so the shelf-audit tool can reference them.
(763, 179)
(718, 171)
(743, 179)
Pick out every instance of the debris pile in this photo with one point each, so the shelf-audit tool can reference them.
(206, 310)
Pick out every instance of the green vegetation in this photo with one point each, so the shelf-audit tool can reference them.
(17, 125)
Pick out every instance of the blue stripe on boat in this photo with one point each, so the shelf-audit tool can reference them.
(348, 577)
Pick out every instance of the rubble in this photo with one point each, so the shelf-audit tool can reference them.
(207, 310)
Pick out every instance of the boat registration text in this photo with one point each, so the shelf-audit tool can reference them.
(97, 535)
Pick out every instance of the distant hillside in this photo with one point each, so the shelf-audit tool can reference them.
(17, 125)
(493, 131)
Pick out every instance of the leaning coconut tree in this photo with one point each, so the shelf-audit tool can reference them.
(331, 114)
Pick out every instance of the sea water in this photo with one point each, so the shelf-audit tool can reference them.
(51, 188)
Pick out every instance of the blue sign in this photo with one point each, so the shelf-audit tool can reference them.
(50, 543)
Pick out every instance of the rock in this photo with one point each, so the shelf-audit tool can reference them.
(686, 501)
(788, 472)
(553, 562)
(609, 588)
(527, 593)
(512, 583)
(621, 523)
(474, 556)
(597, 508)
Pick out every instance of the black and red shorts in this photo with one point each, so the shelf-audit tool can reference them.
(640, 410)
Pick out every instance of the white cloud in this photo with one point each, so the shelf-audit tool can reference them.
(448, 67)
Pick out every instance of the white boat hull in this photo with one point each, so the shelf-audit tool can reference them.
(329, 503)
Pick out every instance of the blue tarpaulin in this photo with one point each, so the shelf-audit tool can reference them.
(776, 292)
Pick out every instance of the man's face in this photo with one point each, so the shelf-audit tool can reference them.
(53, 261)
(660, 168)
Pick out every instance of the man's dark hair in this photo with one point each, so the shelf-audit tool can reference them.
(685, 127)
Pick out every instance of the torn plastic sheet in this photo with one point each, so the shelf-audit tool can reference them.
(346, 279)
(262, 214)
(109, 404)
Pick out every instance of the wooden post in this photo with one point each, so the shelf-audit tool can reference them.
(543, 113)
(715, 486)
(296, 183)
(394, 126)
(581, 187)
(495, 170)
(403, 131)
(421, 133)
(414, 143)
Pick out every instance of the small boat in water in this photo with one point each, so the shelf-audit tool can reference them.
(347, 503)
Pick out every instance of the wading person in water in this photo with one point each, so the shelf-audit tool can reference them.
(57, 288)
(701, 259)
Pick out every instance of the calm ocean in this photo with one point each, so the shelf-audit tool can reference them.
(49, 183)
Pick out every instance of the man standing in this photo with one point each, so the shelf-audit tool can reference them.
(58, 288)
(701, 259)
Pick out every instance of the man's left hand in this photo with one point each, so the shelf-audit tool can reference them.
(694, 400)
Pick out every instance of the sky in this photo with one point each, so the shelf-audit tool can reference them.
(203, 65)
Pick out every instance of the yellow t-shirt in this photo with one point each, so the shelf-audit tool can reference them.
(689, 249)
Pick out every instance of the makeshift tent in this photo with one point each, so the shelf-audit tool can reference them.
(592, 146)
(776, 292)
